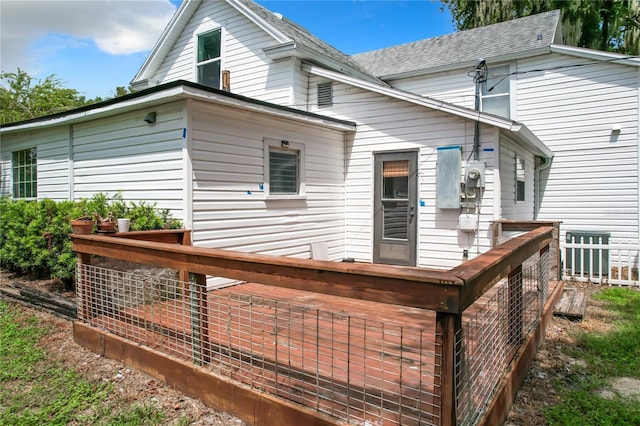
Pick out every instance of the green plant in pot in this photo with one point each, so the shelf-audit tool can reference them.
(107, 223)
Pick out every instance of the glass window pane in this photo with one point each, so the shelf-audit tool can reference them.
(497, 82)
(209, 74)
(25, 173)
(209, 46)
(497, 105)
(520, 179)
(283, 172)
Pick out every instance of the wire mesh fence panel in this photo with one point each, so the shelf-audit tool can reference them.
(492, 332)
(347, 364)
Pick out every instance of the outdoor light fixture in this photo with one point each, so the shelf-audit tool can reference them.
(150, 118)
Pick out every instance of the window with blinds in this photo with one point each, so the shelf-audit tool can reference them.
(395, 199)
(283, 171)
(395, 176)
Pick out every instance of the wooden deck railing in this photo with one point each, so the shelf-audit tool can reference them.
(448, 293)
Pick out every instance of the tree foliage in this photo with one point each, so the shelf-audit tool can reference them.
(23, 97)
(610, 25)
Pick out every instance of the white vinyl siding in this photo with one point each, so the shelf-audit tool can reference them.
(592, 184)
(123, 153)
(386, 125)
(454, 87)
(252, 73)
(512, 208)
(231, 210)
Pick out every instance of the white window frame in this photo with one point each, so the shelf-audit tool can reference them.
(284, 145)
(520, 176)
(500, 76)
(16, 183)
(219, 59)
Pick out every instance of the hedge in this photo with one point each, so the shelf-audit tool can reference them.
(34, 235)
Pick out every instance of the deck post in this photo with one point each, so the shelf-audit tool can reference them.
(514, 307)
(200, 346)
(183, 275)
(448, 338)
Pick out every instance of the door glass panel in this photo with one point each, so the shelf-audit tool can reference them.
(395, 202)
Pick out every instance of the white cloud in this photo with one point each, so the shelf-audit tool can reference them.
(117, 27)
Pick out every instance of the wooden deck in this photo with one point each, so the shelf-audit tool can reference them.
(352, 359)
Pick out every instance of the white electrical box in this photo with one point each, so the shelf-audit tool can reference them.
(468, 222)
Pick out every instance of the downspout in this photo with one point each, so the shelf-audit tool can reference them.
(536, 183)
(71, 163)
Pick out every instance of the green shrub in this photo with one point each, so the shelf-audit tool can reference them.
(34, 235)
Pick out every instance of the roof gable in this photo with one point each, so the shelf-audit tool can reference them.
(517, 36)
(284, 32)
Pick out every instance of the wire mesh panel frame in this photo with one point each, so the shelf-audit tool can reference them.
(491, 336)
(345, 365)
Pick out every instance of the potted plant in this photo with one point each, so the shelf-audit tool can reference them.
(83, 225)
(106, 224)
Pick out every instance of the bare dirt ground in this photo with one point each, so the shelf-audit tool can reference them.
(537, 391)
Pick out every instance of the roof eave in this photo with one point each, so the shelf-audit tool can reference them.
(525, 135)
(170, 92)
(293, 49)
(177, 23)
(278, 35)
(519, 130)
(597, 55)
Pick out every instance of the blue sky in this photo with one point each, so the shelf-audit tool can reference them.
(94, 46)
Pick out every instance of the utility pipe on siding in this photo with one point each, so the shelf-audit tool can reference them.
(536, 189)
(479, 77)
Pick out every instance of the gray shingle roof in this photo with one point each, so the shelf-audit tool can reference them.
(505, 38)
(303, 37)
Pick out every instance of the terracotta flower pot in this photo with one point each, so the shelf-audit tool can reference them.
(106, 226)
(82, 226)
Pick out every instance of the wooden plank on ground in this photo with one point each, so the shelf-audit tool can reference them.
(572, 304)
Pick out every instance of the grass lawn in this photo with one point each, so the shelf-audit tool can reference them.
(37, 390)
(607, 355)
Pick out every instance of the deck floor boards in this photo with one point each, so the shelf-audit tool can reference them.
(381, 379)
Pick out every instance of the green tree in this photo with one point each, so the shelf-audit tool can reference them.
(24, 98)
(610, 25)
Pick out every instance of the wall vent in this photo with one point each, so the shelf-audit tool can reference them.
(325, 94)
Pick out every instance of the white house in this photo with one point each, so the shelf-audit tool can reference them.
(266, 139)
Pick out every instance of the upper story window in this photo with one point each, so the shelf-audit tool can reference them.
(208, 63)
(495, 92)
(520, 179)
(24, 165)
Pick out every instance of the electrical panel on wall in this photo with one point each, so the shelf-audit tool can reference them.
(448, 170)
